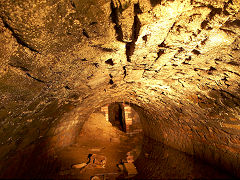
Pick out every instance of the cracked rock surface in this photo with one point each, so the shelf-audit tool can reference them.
(176, 61)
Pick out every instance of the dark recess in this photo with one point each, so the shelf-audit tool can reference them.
(85, 33)
(180, 50)
(225, 12)
(116, 116)
(234, 63)
(196, 52)
(96, 65)
(18, 38)
(155, 2)
(135, 33)
(114, 17)
(129, 50)
(188, 58)
(210, 16)
(203, 42)
(19, 67)
(236, 22)
(160, 52)
(204, 24)
(137, 9)
(111, 81)
(110, 62)
(107, 49)
(217, 59)
(145, 38)
(39, 80)
(185, 63)
(214, 12)
(67, 87)
(233, 23)
(212, 69)
(73, 4)
(125, 71)
(163, 45)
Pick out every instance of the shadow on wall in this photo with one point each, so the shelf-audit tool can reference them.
(32, 152)
(37, 160)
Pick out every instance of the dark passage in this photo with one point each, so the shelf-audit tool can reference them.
(105, 152)
(117, 116)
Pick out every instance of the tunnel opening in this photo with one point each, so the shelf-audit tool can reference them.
(103, 150)
(114, 144)
(116, 116)
(123, 116)
(108, 143)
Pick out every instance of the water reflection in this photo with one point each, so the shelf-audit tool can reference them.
(104, 152)
(158, 161)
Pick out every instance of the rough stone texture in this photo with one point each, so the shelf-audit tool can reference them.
(177, 60)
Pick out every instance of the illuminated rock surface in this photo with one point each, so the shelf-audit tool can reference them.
(176, 61)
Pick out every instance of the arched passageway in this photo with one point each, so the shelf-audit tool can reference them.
(104, 149)
(175, 61)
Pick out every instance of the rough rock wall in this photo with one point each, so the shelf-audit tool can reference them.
(177, 59)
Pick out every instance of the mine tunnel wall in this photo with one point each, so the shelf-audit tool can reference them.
(169, 125)
(166, 126)
(177, 60)
(163, 124)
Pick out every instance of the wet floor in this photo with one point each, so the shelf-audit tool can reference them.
(104, 152)
(100, 139)
(151, 159)
(158, 161)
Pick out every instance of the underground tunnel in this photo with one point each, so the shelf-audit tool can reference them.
(120, 89)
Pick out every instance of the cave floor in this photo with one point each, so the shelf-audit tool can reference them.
(99, 138)
(152, 160)
(107, 147)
